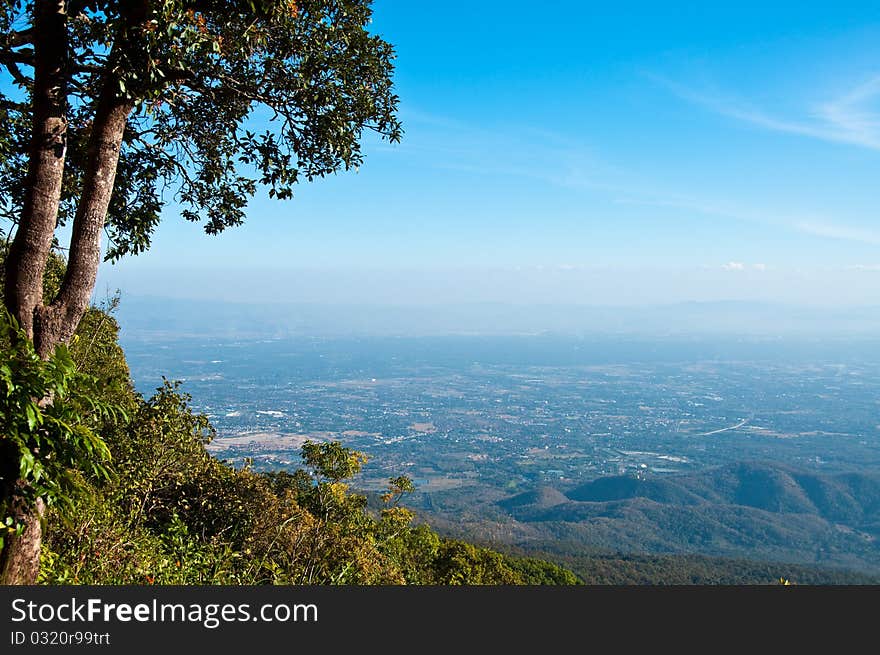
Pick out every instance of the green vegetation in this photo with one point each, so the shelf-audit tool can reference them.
(607, 568)
(762, 511)
(48, 441)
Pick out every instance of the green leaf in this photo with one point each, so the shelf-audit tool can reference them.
(33, 418)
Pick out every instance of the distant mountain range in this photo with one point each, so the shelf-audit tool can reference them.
(747, 510)
(151, 317)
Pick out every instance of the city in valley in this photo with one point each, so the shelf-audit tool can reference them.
(470, 418)
(480, 423)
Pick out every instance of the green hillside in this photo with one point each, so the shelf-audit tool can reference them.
(751, 510)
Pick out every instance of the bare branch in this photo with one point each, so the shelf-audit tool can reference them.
(18, 39)
(18, 56)
(86, 68)
(16, 73)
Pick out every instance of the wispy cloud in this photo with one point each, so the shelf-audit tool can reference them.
(562, 161)
(818, 226)
(849, 118)
(509, 149)
(852, 115)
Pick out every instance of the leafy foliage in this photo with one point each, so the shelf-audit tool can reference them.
(226, 97)
(604, 568)
(49, 441)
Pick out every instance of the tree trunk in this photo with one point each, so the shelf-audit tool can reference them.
(20, 559)
(56, 323)
(26, 261)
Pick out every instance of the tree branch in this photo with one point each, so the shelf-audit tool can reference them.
(86, 68)
(20, 38)
(16, 73)
(25, 56)
(11, 59)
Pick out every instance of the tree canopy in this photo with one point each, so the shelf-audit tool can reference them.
(224, 97)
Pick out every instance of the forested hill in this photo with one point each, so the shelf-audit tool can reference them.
(652, 569)
(752, 510)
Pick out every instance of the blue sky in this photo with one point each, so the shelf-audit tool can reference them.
(573, 152)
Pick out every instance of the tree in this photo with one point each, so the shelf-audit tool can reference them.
(117, 106)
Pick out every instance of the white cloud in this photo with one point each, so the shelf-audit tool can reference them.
(742, 266)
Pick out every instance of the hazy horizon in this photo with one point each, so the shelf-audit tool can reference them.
(852, 286)
(145, 316)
